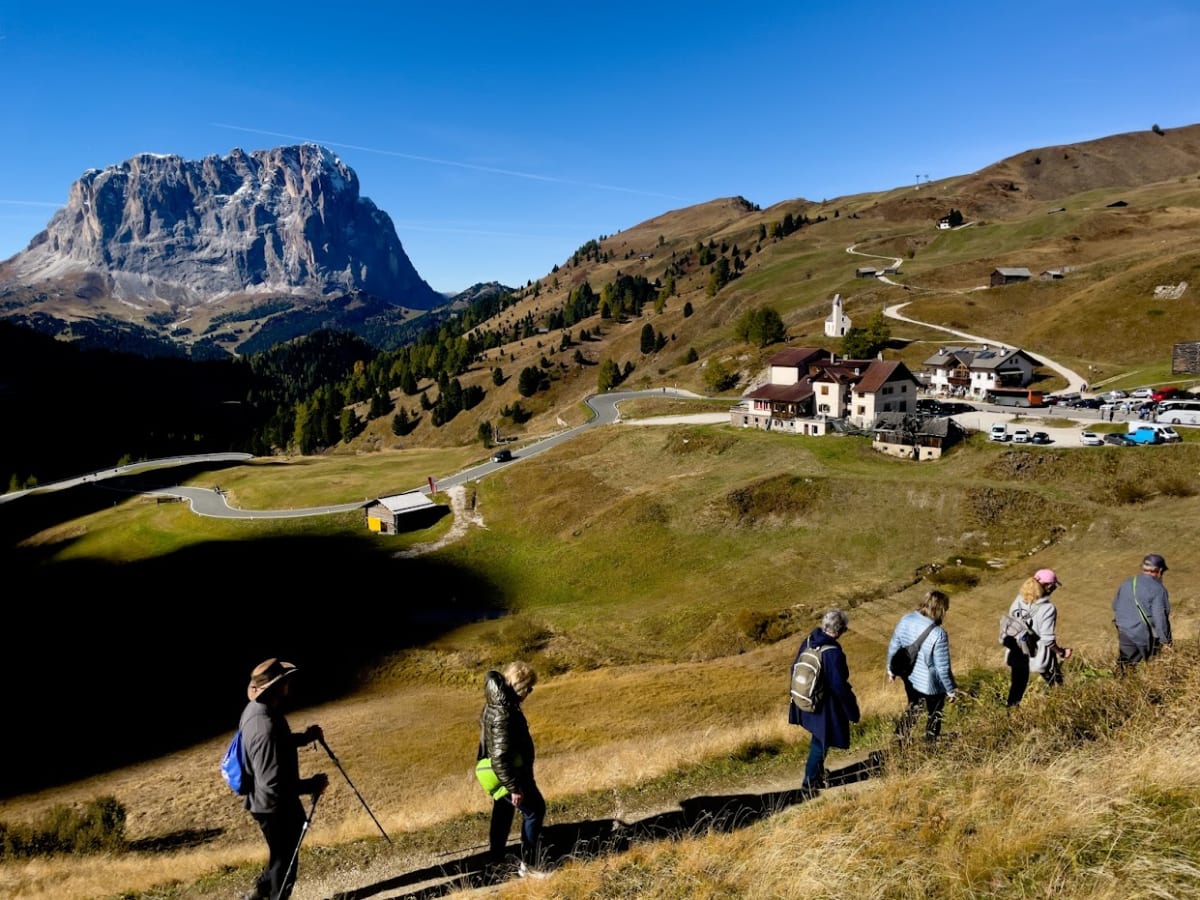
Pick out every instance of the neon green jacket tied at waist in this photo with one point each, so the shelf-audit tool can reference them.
(506, 735)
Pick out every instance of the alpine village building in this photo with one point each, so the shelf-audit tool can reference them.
(809, 391)
(807, 388)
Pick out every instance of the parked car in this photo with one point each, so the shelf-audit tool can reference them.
(1090, 439)
(1087, 403)
(1114, 396)
(1146, 434)
(1152, 433)
(955, 408)
(1040, 437)
(929, 406)
(502, 455)
(1020, 436)
(1065, 399)
(1165, 393)
(999, 432)
(1142, 393)
(1119, 440)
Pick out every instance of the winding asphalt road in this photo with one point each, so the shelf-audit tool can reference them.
(1075, 381)
(606, 413)
(212, 501)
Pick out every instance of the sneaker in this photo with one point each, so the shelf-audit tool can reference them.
(525, 870)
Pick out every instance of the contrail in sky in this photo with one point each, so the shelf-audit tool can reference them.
(458, 165)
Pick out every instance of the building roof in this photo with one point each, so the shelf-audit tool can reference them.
(1008, 272)
(782, 393)
(880, 372)
(982, 359)
(933, 426)
(796, 356)
(410, 501)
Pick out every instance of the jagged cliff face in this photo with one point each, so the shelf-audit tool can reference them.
(185, 233)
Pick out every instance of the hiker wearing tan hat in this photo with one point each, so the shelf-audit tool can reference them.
(273, 762)
(1142, 613)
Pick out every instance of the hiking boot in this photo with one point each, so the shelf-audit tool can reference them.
(527, 870)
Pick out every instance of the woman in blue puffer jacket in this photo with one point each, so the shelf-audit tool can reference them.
(931, 685)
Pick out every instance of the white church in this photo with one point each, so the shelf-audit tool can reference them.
(838, 323)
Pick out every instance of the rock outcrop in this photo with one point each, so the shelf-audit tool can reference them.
(165, 230)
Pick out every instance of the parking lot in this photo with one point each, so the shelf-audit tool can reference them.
(1062, 425)
(1055, 425)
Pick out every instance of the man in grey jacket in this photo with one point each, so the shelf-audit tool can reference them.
(1142, 613)
(270, 748)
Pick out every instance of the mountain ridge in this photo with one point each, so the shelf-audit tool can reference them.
(171, 244)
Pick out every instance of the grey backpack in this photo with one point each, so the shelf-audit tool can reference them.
(1019, 627)
(808, 687)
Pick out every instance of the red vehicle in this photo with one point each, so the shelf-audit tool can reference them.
(1164, 393)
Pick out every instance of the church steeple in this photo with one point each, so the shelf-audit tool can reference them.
(837, 324)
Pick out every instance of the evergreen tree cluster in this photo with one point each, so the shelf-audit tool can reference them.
(868, 342)
(760, 326)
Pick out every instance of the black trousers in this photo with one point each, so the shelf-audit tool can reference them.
(932, 704)
(282, 831)
(1018, 662)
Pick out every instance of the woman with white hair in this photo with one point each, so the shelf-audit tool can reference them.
(829, 724)
(505, 739)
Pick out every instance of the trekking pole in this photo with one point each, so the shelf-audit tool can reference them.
(284, 890)
(356, 793)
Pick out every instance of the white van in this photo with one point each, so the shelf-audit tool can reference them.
(1166, 433)
(999, 432)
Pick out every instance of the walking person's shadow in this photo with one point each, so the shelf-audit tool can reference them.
(594, 838)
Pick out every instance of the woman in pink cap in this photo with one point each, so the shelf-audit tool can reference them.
(1041, 652)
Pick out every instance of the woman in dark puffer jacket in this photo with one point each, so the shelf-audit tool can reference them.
(506, 739)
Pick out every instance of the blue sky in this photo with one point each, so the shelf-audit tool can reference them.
(501, 137)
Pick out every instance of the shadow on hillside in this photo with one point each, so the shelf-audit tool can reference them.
(108, 664)
(186, 839)
(33, 513)
(595, 838)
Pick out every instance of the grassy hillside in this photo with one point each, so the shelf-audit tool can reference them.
(1120, 213)
(658, 578)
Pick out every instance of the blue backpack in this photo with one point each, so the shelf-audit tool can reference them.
(234, 769)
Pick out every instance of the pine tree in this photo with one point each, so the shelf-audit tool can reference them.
(647, 345)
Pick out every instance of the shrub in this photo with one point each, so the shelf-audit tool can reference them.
(767, 627)
(523, 636)
(954, 577)
(1176, 486)
(98, 827)
(1129, 492)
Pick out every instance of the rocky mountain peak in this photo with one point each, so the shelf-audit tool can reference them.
(285, 221)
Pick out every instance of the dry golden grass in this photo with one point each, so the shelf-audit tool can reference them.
(648, 678)
(407, 748)
(1113, 817)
